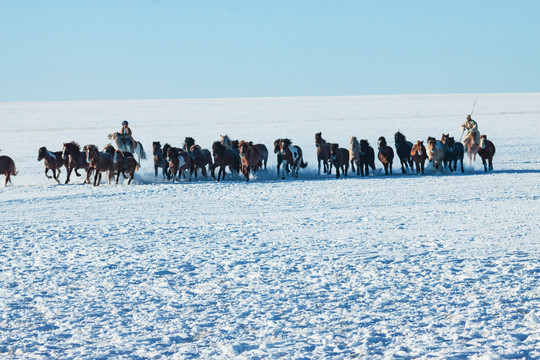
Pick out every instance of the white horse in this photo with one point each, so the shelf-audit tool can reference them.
(135, 148)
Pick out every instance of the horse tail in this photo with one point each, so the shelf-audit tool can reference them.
(303, 165)
(143, 153)
(14, 171)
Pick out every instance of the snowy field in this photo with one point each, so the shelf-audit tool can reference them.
(395, 267)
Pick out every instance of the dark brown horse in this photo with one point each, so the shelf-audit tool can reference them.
(224, 157)
(125, 164)
(453, 152)
(179, 161)
(403, 150)
(99, 162)
(75, 159)
(160, 161)
(367, 157)
(7, 167)
(486, 150)
(340, 159)
(250, 158)
(263, 151)
(323, 154)
(386, 155)
(292, 155)
(200, 159)
(419, 156)
(52, 160)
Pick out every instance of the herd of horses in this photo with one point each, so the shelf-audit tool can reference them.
(247, 158)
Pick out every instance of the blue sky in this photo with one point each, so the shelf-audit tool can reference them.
(135, 49)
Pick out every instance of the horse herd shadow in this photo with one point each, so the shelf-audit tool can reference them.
(269, 176)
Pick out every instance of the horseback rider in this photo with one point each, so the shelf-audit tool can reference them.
(471, 126)
(125, 135)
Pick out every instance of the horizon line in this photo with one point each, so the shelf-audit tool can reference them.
(271, 97)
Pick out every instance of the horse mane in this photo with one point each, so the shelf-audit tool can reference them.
(92, 147)
(399, 135)
(286, 141)
(109, 149)
(364, 142)
(74, 145)
(193, 147)
(156, 143)
(354, 140)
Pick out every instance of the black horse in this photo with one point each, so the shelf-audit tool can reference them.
(403, 149)
(160, 161)
(453, 151)
(367, 158)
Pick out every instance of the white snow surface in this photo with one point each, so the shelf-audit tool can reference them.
(393, 267)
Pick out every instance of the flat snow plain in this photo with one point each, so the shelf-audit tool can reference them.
(403, 266)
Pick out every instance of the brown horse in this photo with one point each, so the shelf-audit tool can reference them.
(340, 159)
(419, 156)
(74, 158)
(486, 150)
(292, 155)
(250, 157)
(323, 154)
(263, 151)
(7, 167)
(179, 161)
(160, 161)
(224, 157)
(52, 160)
(386, 155)
(471, 144)
(125, 164)
(99, 162)
(200, 160)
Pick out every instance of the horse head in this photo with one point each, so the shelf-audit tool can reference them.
(381, 142)
(42, 152)
(399, 137)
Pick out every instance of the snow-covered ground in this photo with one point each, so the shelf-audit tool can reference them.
(403, 266)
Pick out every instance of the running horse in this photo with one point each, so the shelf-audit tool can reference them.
(124, 164)
(99, 162)
(7, 167)
(340, 159)
(75, 159)
(354, 154)
(403, 150)
(179, 161)
(52, 160)
(292, 156)
(486, 150)
(136, 148)
(250, 157)
(224, 157)
(471, 143)
(386, 155)
(160, 161)
(367, 157)
(323, 154)
(279, 157)
(419, 156)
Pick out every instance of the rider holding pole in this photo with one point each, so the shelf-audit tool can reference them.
(470, 126)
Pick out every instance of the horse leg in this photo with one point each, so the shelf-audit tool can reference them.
(69, 169)
(485, 164)
(47, 173)
(155, 170)
(117, 177)
(283, 171)
(319, 167)
(403, 171)
(131, 176)
(352, 165)
(491, 163)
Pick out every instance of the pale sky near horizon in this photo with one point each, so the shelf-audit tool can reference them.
(144, 49)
